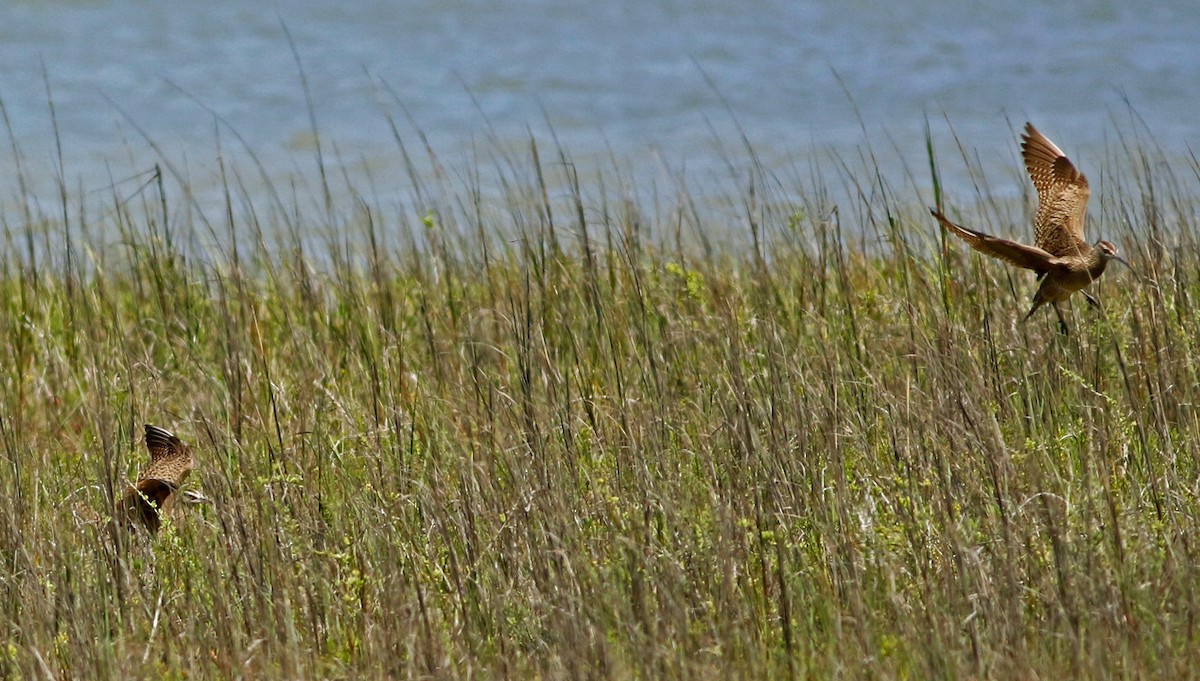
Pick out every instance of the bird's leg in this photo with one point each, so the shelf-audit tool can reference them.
(1091, 300)
(1036, 304)
(1062, 322)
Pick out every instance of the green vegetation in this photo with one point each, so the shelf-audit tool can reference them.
(564, 432)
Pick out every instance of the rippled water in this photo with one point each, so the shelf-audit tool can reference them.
(654, 81)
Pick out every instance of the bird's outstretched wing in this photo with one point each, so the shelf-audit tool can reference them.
(170, 459)
(1021, 255)
(1062, 195)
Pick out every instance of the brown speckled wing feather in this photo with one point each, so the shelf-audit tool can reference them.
(1062, 195)
(170, 459)
(1021, 255)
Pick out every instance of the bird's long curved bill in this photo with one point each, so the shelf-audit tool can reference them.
(1125, 262)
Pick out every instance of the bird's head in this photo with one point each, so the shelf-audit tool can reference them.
(1108, 251)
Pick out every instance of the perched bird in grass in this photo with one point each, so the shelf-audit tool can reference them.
(1063, 260)
(157, 487)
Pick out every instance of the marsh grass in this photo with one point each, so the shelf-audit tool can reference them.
(558, 430)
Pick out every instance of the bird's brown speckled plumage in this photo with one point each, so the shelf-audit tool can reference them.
(154, 492)
(1062, 196)
(1062, 258)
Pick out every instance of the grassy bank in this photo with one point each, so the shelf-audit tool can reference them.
(543, 437)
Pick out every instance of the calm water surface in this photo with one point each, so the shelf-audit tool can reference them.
(643, 80)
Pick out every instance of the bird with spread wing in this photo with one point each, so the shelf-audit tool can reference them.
(156, 489)
(1063, 260)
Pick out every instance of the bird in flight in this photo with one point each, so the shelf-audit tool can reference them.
(156, 488)
(1063, 260)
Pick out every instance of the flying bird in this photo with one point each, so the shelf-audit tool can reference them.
(1063, 260)
(156, 488)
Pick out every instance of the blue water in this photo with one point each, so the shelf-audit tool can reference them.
(659, 84)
